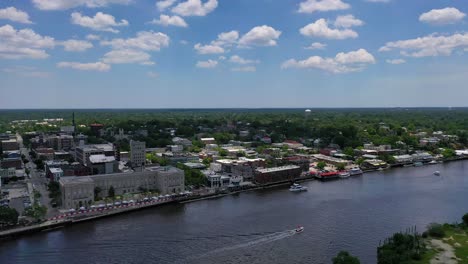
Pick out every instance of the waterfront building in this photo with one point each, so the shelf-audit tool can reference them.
(422, 156)
(374, 164)
(243, 167)
(331, 160)
(166, 180)
(277, 174)
(403, 159)
(137, 154)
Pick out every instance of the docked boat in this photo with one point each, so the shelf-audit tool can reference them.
(328, 175)
(437, 173)
(345, 174)
(297, 188)
(418, 164)
(355, 171)
(432, 162)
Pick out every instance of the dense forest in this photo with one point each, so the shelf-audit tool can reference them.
(344, 127)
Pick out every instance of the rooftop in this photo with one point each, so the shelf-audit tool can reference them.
(101, 158)
(275, 169)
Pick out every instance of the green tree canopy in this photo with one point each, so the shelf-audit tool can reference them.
(344, 257)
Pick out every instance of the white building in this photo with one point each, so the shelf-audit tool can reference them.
(57, 173)
(137, 154)
(78, 191)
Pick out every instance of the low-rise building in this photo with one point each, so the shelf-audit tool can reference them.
(10, 144)
(277, 174)
(403, 159)
(207, 141)
(102, 164)
(83, 152)
(331, 160)
(78, 191)
(55, 173)
(16, 163)
(374, 164)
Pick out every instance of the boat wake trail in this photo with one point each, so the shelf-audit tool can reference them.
(268, 238)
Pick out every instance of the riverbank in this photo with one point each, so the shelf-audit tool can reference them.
(96, 214)
(61, 222)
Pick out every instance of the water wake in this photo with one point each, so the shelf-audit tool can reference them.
(264, 239)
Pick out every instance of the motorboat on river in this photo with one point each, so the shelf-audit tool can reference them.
(297, 188)
(437, 173)
(299, 229)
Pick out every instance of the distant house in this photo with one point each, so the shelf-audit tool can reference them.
(292, 144)
(207, 141)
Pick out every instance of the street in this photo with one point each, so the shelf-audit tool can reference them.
(37, 179)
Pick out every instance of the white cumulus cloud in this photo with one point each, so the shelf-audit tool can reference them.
(76, 45)
(195, 7)
(348, 21)
(127, 56)
(144, 40)
(226, 38)
(164, 4)
(316, 46)
(93, 66)
(449, 15)
(244, 69)
(396, 61)
(207, 64)
(427, 46)
(15, 15)
(67, 4)
(310, 6)
(342, 63)
(239, 60)
(24, 43)
(100, 22)
(166, 20)
(321, 29)
(92, 37)
(260, 36)
(208, 49)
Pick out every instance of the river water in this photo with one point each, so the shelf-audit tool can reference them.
(254, 227)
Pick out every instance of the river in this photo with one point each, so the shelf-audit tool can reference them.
(253, 227)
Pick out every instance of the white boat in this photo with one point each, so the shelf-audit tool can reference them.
(437, 173)
(297, 188)
(299, 229)
(355, 171)
(433, 162)
(345, 174)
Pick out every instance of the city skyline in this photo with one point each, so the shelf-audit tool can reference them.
(232, 54)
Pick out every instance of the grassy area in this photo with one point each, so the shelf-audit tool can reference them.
(456, 236)
(458, 239)
(426, 259)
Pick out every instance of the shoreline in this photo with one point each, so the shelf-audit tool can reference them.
(62, 223)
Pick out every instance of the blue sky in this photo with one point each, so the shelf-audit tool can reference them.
(232, 53)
